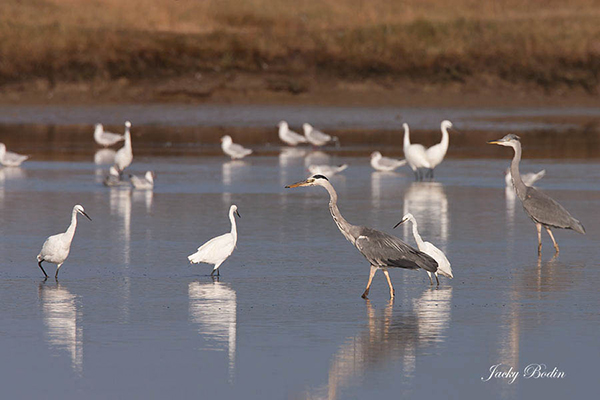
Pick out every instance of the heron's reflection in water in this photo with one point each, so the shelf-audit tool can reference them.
(62, 318)
(231, 171)
(213, 306)
(390, 336)
(428, 203)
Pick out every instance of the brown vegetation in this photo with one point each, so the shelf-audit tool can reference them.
(545, 42)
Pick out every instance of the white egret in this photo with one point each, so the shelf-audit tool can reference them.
(124, 155)
(217, 249)
(415, 155)
(289, 136)
(56, 248)
(437, 152)
(318, 138)
(385, 164)
(428, 248)
(327, 170)
(147, 182)
(104, 138)
(235, 151)
(10, 159)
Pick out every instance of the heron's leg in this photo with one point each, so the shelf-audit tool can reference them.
(371, 275)
(57, 269)
(539, 229)
(553, 241)
(387, 275)
(436, 279)
(429, 275)
(42, 268)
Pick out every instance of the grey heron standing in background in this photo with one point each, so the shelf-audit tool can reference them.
(383, 251)
(542, 209)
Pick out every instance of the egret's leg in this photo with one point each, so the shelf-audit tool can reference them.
(387, 275)
(42, 268)
(371, 275)
(553, 241)
(436, 279)
(416, 171)
(218, 273)
(539, 229)
(429, 275)
(57, 269)
(431, 175)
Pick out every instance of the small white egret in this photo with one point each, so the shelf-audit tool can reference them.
(428, 248)
(528, 179)
(124, 155)
(145, 183)
(327, 170)
(217, 249)
(233, 150)
(10, 159)
(415, 155)
(437, 152)
(104, 138)
(385, 164)
(318, 138)
(56, 248)
(288, 136)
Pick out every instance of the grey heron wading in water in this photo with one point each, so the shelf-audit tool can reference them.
(383, 251)
(542, 209)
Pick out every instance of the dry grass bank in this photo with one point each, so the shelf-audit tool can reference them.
(545, 42)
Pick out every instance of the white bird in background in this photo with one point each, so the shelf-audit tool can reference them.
(415, 155)
(429, 249)
(10, 159)
(104, 138)
(235, 151)
(289, 136)
(217, 249)
(124, 155)
(114, 178)
(318, 138)
(145, 183)
(528, 179)
(56, 248)
(386, 164)
(327, 170)
(437, 152)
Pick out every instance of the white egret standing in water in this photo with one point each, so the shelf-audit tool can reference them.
(124, 155)
(437, 152)
(415, 155)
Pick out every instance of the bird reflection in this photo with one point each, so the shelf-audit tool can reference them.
(289, 156)
(62, 317)
(144, 195)
(213, 307)
(316, 158)
(379, 181)
(104, 157)
(120, 204)
(428, 203)
(231, 170)
(8, 174)
(389, 336)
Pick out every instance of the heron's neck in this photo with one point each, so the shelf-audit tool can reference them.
(233, 226)
(406, 137)
(71, 229)
(520, 187)
(344, 226)
(415, 230)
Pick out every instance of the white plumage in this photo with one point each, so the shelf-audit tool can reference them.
(104, 138)
(437, 152)
(529, 179)
(56, 248)
(429, 249)
(235, 151)
(288, 136)
(385, 164)
(218, 249)
(327, 170)
(415, 154)
(124, 155)
(10, 159)
(316, 137)
(147, 182)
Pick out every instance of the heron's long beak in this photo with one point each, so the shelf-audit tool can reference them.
(499, 141)
(87, 216)
(400, 223)
(298, 184)
(238, 214)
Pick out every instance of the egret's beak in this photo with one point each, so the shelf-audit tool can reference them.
(298, 184)
(400, 223)
(87, 216)
(499, 141)
(238, 214)
(456, 130)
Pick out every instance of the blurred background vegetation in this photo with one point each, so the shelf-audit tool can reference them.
(544, 42)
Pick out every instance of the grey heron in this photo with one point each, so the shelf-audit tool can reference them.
(383, 251)
(542, 209)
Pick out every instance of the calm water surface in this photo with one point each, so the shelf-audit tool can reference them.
(130, 318)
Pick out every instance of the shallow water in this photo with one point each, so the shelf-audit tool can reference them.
(130, 318)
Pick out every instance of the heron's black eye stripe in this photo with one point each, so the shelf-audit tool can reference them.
(320, 177)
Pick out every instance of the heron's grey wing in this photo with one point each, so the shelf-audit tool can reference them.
(545, 210)
(383, 250)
